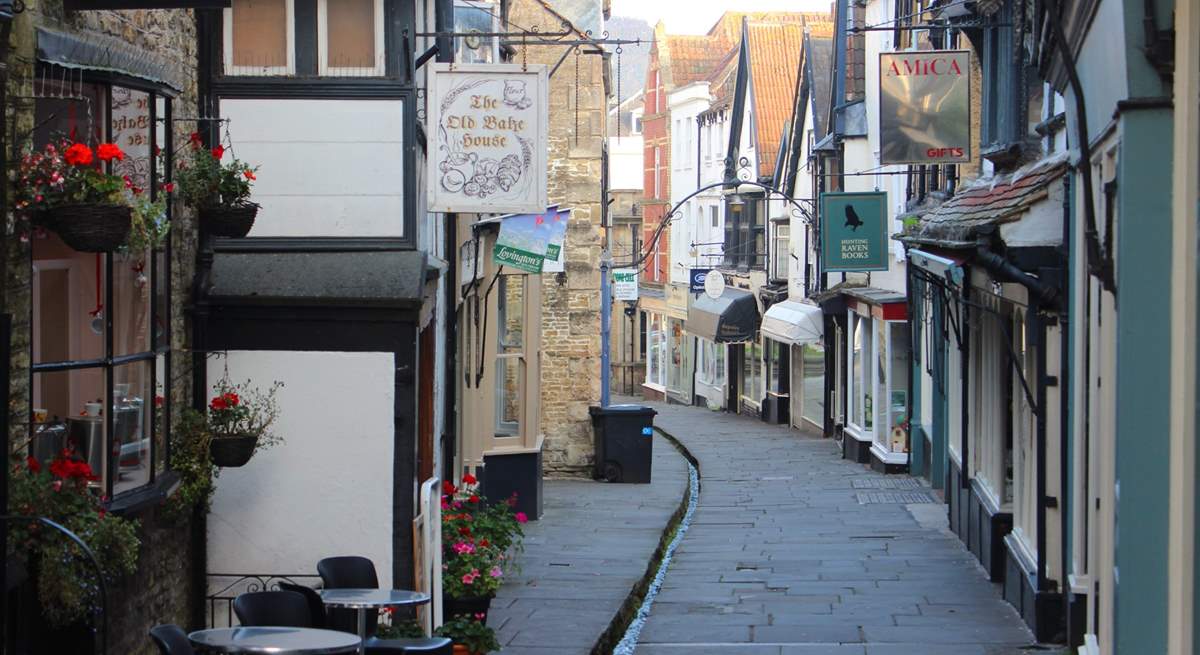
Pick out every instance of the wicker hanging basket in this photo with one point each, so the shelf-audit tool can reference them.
(231, 452)
(229, 221)
(89, 228)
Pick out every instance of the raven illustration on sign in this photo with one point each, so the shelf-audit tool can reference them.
(852, 220)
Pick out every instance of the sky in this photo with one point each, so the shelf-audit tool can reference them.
(697, 16)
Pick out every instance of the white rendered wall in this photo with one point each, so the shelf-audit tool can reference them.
(327, 490)
(329, 167)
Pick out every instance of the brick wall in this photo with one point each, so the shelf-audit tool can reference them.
(160, 590)
(570, 301)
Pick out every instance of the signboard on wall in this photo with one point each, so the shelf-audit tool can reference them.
(854, 232)
(625, 284)
(696, 279)
(487, 138)
(925, 107)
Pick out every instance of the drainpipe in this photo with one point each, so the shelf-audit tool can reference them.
(1044, 295)
(964, 361)
(1037, 328)
(1064, 389)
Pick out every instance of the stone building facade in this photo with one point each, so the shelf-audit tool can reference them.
(570, 379)
(162, 589)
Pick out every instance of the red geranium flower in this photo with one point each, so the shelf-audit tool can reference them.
(34, 466)
(169, 187)
(218, 403)
(232, 399)
(78, 155)
(473, 498)
(249, 174)
(195, 140)
(469, 479)
(109, 152)
(464, 531)
(448, 488)
(218, 151)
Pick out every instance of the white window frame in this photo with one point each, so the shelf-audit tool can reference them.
(657, 164)
(323, 67)
(857, 427)
(289, 69)
(493, 8)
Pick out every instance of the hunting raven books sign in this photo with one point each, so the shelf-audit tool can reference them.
(487, 138)
(854, 232)
(925, 107)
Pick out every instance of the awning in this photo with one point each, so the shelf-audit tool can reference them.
(794, 323)
(104, 54)
(731, 318)
(948, 265)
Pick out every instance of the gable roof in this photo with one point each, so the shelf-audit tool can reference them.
(820, 69)
(775, 51)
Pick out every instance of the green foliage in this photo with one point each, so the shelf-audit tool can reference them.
(205, 182)
(66, 584)
(148, 226)
(470, 632)
(190, 459)
(389, 628)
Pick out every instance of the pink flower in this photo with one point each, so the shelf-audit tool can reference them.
(469, 578)
(521, 518)
(479, 616)
(464, 548)
(495, 572)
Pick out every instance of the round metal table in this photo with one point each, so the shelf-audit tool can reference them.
(275, 641)
(365, 599)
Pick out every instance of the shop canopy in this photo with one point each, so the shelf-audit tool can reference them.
(730, 318)
(105, 55)
(794, 323)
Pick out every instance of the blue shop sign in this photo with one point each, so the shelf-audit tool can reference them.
(696, 280)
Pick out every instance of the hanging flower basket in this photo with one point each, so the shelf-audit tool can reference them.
(229, 221)
(89, 228)
(234, 451)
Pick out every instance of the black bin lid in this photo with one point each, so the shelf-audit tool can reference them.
(596, 410)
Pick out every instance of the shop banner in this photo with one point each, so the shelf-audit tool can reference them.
(696, 279)
(523, 241)
(925, 107)
(854, 232)
(558, 223)
(625, 284)
(487, 138)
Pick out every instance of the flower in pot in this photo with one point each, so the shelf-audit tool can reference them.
(219, 192)
(479, 541)
(65, 579)
(67, 188)
(239, 422)
(471, 636)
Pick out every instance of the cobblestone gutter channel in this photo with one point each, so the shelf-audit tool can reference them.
(622, 634)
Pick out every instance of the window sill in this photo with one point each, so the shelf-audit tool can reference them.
(858, 434)
(654, 387)
(143, 498)
(1002, 154)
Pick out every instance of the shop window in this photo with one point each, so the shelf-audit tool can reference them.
(777, 364)
(752, 373)
(259, 37)
(677, 364)
(263, 37)
(897, 390)
(510, 354)
(781, 252)
(745, 235)
(476, 16)
(656, 351)
(100, 322)
(814, 384)
(862, 396)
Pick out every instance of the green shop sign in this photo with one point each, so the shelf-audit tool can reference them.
(854, 232)
(523, 241)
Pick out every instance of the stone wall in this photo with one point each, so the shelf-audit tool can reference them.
(160, 591)
(571, 300)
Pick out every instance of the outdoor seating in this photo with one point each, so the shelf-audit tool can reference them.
(171, 640)
(348, 572)
(421, 646)
(316, 607)
(272, 608)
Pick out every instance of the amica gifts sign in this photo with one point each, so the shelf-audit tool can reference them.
(487, 138)
(925, 107)
(854, 232)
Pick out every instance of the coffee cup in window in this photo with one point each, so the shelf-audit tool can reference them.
(91, 409)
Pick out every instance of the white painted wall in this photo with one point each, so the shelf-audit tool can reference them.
(329, 167)
(685, 106)
(327, 490)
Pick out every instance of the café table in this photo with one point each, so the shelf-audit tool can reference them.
(276, 641)
(365, 599)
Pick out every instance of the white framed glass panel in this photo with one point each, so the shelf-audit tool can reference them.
(476, 16)
(259, 37)
(350, 38)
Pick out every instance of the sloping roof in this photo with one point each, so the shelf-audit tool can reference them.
(691, 58)
(989, 201)
(775, 51)
(820, 66)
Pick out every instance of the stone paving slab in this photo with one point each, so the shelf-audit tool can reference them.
(783, 558)
(582, 559)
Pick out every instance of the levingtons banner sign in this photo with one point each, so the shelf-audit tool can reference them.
(487, 125)
(854, 232)
(925, 107)
(525, 240)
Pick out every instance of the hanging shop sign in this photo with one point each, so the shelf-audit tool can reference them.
(625, 284)
(523, 241)
(854, 232)
(487, 134)
(714, 285)
(925, 107)
(555, 257)
(696, 279)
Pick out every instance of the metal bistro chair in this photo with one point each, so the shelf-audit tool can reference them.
(355, 572)
(171, 640)
(272, 608)
(316, 607)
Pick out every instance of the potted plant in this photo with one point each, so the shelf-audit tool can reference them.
(220, 193)
(479, 540)
(64, 577)
(239, 422)
(67, 190)
(191, 460)
(471, 636)
(148, 227)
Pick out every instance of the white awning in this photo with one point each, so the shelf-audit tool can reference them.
(794, 323)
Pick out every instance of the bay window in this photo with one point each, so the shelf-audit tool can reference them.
(100, 322)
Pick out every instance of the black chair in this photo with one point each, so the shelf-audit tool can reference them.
(416, 646)
(274, 608)
(316, 607)
(171, 640)
(349, 572)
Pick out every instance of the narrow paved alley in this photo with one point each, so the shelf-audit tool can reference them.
(794, 551)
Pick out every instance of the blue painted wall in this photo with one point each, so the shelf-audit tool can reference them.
(1143, 385)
